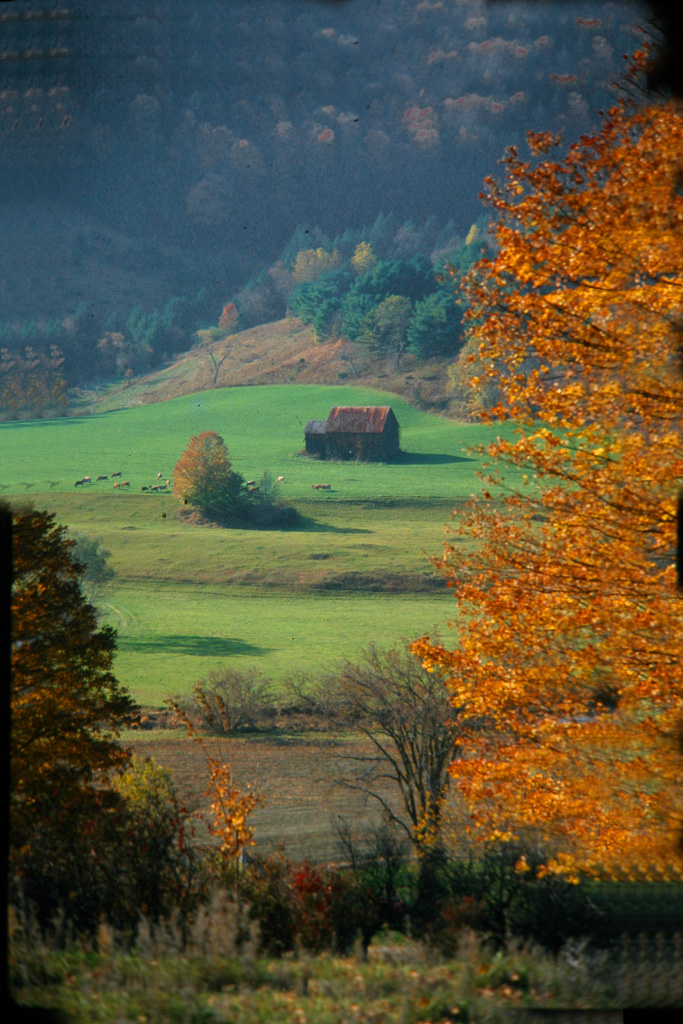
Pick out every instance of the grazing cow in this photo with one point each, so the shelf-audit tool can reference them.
(116, 474)
(160, 476)
(325, 487)
(87, 480)
(315, 486)
(117, 484)
(142, 488)
(253, 488)
(125, 483)
(101, 477)
(250, 483)
(79, 483)
(280, 479)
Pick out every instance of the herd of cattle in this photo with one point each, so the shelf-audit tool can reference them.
(124, 483)
(251, 485)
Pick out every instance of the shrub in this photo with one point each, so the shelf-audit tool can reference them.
(265, 886)
(158, 868)
(230, 701)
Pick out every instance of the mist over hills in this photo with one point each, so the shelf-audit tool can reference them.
(152, 149)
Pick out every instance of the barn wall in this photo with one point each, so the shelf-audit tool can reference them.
(390, 437)
(316, 444)
(366, 445)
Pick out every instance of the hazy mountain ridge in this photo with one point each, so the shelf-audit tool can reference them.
(212, 132)
(68, 257)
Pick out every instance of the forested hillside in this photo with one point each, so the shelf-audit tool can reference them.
(154, 152)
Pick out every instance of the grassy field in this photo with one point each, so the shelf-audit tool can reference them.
(188, 599)
(263, 428)
(171, 637)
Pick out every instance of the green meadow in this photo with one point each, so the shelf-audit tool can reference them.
(189, 599)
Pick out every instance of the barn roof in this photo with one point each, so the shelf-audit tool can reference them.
(358, 419)
(316, 427)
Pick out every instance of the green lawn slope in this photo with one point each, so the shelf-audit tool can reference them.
(188, 599)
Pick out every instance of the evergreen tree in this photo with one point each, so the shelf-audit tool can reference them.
(435, 327)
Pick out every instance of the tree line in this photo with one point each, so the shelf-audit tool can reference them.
(41, 360)
(386, 286)
(298, 137)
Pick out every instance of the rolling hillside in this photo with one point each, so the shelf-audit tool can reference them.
(284, 352)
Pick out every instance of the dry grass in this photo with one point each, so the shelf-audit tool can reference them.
(293, 773)
(211, 980)
(284, 352)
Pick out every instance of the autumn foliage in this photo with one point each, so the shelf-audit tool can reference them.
(567, 664)
(67, 706)
(203, 476)
(230, 810)
(67, 710)
(311, 263)
(229, 317)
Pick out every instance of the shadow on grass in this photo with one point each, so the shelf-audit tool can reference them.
(313, 526)
(62, 421)
(201, 646)
(427, 459)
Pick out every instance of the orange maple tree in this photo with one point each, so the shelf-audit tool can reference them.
(230, 809)
(204, 477)
(568, 656)
(230, 806)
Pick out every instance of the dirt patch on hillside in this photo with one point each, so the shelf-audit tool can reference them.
(284, 352)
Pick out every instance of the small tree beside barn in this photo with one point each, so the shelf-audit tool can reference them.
(366, 432)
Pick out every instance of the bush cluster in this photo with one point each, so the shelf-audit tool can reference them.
(204, 479)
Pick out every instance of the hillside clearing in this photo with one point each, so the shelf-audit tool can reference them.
(282, 352)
